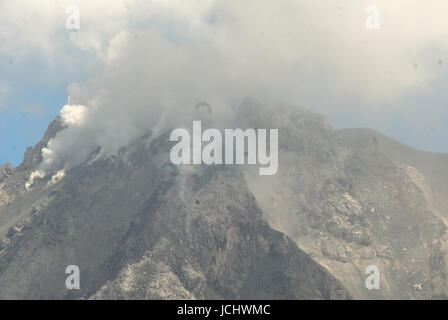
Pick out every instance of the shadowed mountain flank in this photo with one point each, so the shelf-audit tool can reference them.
(140, 227)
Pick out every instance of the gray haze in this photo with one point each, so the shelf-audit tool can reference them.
(153, 57)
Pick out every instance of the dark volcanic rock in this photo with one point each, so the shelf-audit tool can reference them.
(140, 228)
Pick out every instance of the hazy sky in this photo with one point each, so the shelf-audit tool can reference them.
(133, 62)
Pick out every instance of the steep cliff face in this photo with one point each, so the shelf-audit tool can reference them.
(349, 204)
(139, 227)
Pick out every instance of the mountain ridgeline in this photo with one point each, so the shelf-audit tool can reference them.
(140, 227)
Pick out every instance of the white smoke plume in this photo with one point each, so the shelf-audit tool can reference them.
(33, 176)
(158, 59)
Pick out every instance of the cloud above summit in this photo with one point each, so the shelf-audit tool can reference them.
(150, 60)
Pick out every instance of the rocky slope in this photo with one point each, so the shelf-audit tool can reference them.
(350, 203)
(139, 227)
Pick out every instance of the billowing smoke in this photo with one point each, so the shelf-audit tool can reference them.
(159, 59)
